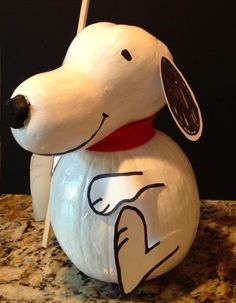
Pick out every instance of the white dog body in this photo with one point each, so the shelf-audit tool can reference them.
(82, 233)
(124, 215)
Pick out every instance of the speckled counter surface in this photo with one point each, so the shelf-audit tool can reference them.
(30, 273)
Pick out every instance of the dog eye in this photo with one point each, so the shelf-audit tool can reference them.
(125, 53)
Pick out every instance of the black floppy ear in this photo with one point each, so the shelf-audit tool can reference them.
(180, 100)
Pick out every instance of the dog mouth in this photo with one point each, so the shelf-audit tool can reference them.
(104, 117)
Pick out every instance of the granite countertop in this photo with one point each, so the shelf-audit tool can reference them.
(30, 273)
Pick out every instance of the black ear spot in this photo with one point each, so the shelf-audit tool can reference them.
(125, 53)
(180, 100)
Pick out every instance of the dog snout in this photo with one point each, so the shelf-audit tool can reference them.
(17, 111)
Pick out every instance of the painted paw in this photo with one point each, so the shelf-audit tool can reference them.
(108, 191)
(135, 261)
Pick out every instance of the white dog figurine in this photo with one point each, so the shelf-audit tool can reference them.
(124, 200)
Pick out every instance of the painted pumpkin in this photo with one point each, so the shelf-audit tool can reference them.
(87, 239)
(125, 204)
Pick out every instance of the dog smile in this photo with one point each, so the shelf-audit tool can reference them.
(114, 182)
(104, 116)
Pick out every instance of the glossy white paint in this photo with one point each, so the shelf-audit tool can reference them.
(66, 104)
(87, 238)
(66, 109)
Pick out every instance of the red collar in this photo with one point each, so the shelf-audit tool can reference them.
(127, 137)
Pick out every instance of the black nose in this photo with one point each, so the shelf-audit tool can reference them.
(17, 110)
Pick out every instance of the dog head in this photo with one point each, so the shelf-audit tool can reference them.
(112, 75)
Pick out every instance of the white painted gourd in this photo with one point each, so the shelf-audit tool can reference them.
(113, 75)
(88, 239)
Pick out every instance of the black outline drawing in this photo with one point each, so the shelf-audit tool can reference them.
(181, 101)
(104, 116)
(113, 175)
(117, 248)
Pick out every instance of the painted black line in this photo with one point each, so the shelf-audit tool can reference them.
(122, 230)
(122, 243)
(141, 191)
(104, 116)
(97, 201)
(149, 272)
(161, 262)
(147, 249)
(113, 175)
(131, 173)
(104, 210)
(180, 99)
(151, 247)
